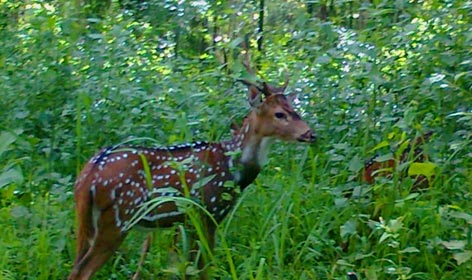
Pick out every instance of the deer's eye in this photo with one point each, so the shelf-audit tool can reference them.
(280, 115)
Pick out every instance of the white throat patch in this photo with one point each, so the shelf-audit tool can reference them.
(257, 152)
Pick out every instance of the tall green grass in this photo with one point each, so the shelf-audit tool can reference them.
(71, 86)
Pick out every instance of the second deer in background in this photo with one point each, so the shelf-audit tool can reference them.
(412, 153)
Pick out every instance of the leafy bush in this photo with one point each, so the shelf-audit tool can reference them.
(364, 73)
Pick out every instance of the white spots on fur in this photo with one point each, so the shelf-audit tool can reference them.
(246, 129)
(223, 211)
(122, 173)
(95, 216)
(93, 189)
(118, 221)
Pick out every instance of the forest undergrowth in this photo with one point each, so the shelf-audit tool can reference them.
(367, 76)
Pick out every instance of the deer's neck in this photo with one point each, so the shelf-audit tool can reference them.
(248, 152)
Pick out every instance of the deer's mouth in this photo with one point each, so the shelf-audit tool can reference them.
(307, 137)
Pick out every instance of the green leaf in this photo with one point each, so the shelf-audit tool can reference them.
(462, 74)
(343, 263)
(395, 225)
(454, 244)
(379, 146)
(461, 215)
(95, 36)
(235, 43)
(462, 257)
(341, 202)
(411, 196)
(166, 190)
(323, 59)
(203, 182)
(382, 12)
(147, 171)
(12, 175)
(410, 250)
(383, 158)
(348, 229)
(402, 148)
(371, 273)
(226, 196)
(436, 77)
(20, 212)
(459, 114)
(6, 139)
(229, 184)
(422, 168)
(356, 164)
(384, 237)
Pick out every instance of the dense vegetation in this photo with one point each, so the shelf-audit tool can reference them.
(75, 77)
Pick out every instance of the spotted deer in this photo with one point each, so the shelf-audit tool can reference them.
(413, 152)
(118, 181)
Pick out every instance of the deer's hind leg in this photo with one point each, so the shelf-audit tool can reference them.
(105, 241)
(85, 229)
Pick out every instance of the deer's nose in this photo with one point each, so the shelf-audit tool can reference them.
(308, 136)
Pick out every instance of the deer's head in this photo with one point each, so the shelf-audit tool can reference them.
(274, 116)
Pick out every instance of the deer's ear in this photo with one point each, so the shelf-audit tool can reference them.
(255, 97)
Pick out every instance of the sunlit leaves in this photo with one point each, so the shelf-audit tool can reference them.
(427, 169)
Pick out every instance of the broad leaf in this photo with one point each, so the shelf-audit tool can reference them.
(6, 139)
(422, 168)
(454, 244)
(462, 257)
(12, 175)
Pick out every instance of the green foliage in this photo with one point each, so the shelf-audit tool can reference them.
(366, 74)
